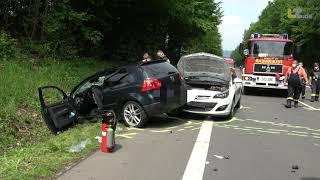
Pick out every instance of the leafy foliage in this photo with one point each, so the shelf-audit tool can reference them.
(116, 29)
(7, 46)
(304, 30)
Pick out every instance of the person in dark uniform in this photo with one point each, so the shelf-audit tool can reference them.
(315, 82)
(303, 84)
(293, 77)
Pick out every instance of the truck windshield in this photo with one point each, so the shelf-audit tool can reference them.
(270, 48)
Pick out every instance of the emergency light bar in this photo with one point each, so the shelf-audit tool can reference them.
(257, 35)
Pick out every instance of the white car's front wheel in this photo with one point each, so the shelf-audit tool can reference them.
(231, 114)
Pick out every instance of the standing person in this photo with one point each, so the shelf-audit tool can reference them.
(303, 84)
(162, 56)
(293, 77)
(315, 82)
(146, 57)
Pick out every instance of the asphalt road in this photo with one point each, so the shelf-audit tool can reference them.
(265, 141)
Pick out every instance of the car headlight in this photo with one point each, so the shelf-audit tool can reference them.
(222, 95)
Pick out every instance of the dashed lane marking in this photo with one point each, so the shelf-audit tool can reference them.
(252, 128)
(280, 124)
(137, 129)
(195, 128)
(270, 132)
(180, 129)
(188, 127)
(161, 131)
(197, 160)
(243, 129)
(279, 130)
(300, 132)
(301, 135)
(129, 135)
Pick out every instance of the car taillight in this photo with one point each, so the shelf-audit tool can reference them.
(151, 84)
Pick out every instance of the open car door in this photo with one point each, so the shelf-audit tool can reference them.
(57, 108)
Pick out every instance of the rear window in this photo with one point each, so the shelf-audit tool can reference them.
(159, 69)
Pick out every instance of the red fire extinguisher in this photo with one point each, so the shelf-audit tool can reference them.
(104, 128)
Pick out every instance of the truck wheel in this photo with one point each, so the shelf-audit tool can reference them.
(134, 115)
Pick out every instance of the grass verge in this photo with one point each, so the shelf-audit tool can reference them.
(27, 149)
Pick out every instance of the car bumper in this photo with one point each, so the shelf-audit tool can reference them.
(265, 86)
(215, 111)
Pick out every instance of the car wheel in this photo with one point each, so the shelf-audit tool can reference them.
(134, 115)
(238, 104)
(231, 114)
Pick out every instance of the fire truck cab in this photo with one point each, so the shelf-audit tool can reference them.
(267, 59)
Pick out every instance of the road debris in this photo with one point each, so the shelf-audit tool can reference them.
(219, 157)
(226, 157)
(98, 138)
(79, 147)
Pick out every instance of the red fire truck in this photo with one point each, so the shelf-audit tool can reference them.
(268, 57)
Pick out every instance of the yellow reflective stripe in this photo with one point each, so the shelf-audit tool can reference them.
(290, 98)
(296, 100)
(314, 95)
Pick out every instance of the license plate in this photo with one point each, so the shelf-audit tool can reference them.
(266, 79)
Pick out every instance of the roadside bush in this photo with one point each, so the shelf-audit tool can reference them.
(7, 46)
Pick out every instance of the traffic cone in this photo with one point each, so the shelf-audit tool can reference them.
(104, 128)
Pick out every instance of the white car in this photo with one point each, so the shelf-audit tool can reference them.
(212, 89)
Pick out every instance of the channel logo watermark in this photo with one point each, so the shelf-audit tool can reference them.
(298, 13)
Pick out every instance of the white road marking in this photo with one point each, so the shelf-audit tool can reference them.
(197, 160)
(312, 108)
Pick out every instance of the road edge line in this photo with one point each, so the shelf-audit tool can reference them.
(307, 105)
(197, 160)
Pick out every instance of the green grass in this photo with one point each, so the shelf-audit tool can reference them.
(28, 150)
(43, 160)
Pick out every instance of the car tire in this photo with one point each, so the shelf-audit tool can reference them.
(238, 105)
(133, 115)
(231, 114)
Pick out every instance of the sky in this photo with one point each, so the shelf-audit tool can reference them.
(238, 14)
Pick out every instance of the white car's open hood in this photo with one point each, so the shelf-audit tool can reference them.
(204, 64)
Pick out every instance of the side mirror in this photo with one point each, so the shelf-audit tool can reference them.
(237, 80)
(246, 52)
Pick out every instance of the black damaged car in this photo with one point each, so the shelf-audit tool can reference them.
(135, 92)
